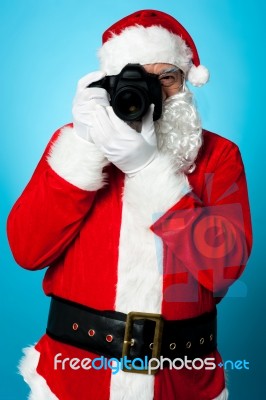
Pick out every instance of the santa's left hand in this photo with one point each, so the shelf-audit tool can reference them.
(129, 150)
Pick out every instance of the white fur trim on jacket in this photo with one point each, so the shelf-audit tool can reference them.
(154, 189)
(77, 161)
(223, 395)
(141, 45)
(38, 385)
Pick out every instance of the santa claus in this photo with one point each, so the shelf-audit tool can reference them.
(143, 227)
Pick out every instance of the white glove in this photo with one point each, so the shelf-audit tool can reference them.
(129, 150)
(85, 101)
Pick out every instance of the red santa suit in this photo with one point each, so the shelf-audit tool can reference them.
(145, 243)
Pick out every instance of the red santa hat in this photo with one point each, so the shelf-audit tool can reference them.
(147, 37)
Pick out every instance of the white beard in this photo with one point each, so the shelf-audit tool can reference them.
(179, 131)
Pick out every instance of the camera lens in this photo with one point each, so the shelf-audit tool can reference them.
(130, 103)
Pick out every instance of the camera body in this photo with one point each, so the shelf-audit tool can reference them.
(132, 91)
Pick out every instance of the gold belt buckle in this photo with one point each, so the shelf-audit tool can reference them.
(157, 339)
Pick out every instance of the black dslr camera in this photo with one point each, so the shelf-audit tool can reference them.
(132, 91)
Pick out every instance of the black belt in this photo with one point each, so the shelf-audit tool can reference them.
(135, 335)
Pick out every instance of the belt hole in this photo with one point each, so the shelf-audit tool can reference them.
(201, 340)
(91, 332)
(75, 326)
(188, 345)
(172, 346)
(151, 346)
(211, 337)
(109, 338)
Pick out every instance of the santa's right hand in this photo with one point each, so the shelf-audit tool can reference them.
(85, 101)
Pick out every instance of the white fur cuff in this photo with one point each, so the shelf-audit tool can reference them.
(77, 161)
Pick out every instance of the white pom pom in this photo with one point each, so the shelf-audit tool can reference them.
(198, 76)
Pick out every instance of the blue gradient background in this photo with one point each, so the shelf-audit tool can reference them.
(46, 46)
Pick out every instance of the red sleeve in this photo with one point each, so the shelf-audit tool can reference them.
(46, 217)
(211, 237)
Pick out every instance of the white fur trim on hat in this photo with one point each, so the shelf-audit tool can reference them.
(141, 45)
